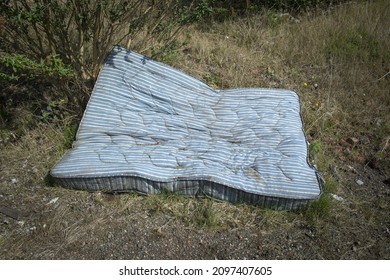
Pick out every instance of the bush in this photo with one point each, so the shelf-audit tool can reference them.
(52, 50)
(233, 7)
(81, 33)
(15, 66)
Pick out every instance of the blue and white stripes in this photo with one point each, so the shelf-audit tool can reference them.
(149, 127)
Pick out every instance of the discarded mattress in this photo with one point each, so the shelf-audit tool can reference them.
(149, 127)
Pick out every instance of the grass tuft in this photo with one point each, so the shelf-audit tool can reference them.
(69, 135)
(318, 209)
(205, 215)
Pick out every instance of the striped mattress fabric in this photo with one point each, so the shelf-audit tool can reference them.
(149, 127)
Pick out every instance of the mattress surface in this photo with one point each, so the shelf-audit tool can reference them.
(149, 127)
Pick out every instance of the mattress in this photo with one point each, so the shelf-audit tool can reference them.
(149, 127)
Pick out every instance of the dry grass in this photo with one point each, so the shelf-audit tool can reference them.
(338, 62)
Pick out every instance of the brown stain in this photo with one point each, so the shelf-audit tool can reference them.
(251, 172)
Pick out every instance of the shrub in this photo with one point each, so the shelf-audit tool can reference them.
(222, 8)
(81, 33)
(14, 66)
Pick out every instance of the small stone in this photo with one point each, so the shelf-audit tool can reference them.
(359, 182)
(334, 171)
(336, 197)
(352, 141)
(350, 168)
(14, 180)
(54, 200)
(347, 151)
(364, 140)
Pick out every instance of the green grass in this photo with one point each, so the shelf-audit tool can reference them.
(354, 45)
(69, 135)
(204, 214)
(318, 209)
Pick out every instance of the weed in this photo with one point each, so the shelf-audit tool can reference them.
(203, 12)
(318, 209)
(275, 18)
(170, 196)
(330, 185)
(69, 135)
(353, 45)
(212, 80)
(319, 156)
(315, 148)
(193, 212)
(168, 53)
(204, 214)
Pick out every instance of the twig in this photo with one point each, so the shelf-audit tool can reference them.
(384, 76)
